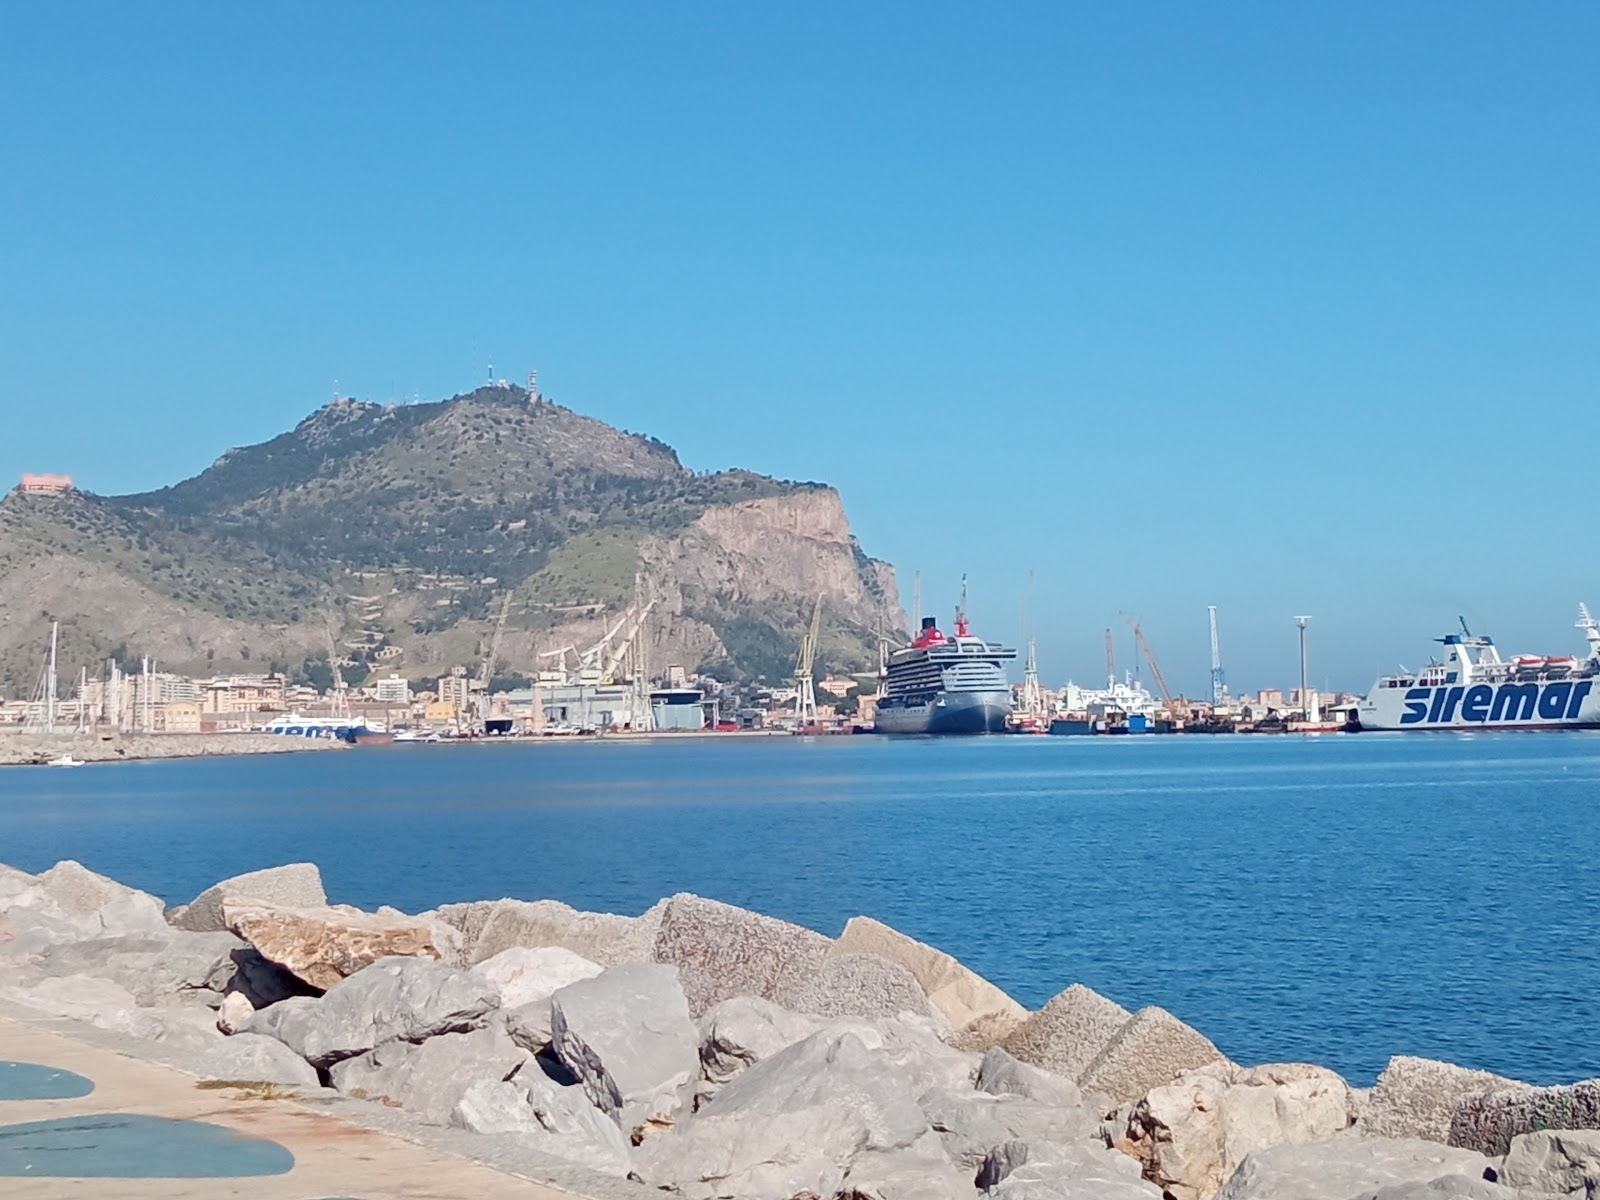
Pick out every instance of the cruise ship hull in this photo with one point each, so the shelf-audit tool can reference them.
(948, 712)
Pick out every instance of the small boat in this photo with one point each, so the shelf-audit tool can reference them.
(66, 760)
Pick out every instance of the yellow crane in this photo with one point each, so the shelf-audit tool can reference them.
(805, 701)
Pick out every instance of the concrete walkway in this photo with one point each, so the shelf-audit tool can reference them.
(332, 1157)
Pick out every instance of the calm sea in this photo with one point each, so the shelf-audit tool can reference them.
(1335, 900)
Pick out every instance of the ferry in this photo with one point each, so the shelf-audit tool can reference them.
(346, 729)
(1474, 688)
(942, 684)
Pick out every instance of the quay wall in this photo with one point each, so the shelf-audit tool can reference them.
(20, 748)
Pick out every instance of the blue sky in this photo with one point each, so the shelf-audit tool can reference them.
(1285, 308)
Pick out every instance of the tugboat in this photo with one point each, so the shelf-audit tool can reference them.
(941, 684)
(1473, 688)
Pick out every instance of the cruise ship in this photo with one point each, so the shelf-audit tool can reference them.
(1474, 688)
(942, 684)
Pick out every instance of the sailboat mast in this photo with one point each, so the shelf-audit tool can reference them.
(50, 682)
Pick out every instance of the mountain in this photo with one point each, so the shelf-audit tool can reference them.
(401, 533)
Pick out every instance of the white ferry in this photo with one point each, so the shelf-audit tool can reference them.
(347, 729)
(1474, 688)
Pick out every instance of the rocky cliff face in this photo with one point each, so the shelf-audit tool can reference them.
(404, 530)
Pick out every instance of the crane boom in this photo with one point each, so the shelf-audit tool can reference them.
(1111, 660)
(1155, 669)
(486, 672)
(805, 701)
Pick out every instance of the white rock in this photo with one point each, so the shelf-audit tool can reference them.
(1043, 1171)
(235, 1013)
(525, 974)
(742, 1031)
(1555, 1160)
(1346, 1167)
(1001, 1075)
(257, 1059)
(790, 1124)
(395, 999)
(971, 1124)
(549, 1118)
(1194, 1133)
(627, 1036)
(430, 1077)
(296, 885)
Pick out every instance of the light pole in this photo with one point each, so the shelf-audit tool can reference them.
(1308, 706)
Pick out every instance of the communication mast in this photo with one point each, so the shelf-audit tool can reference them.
(1219, 689)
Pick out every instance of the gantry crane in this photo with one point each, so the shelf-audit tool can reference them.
(805, 701)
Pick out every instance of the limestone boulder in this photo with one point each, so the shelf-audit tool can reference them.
(552, 1119)
(430, 1077)
(252, 1058)
(971, 1124)
(1418, 1097)
(919, 1171)
(79, 997)
(296, 885)
(1153, 1048)
(525, 974)
(263, 983)
(1347, 1167)
(1064, 1171)
(489, 927)
(235, 1013)
(740, 1032)
(790, 1125)
(966, 1000)
(1563, 1161)
(856, 985)
(915, 1050)
(324, 945)
(1192, 1135)
(397, 999)
(90, 903)
(13, 883)
(1490, 1122)
(1449, 1187)
(626, 1035)
(1068, 1033)
(1001, 1075)
(189, 967)
(722, 951)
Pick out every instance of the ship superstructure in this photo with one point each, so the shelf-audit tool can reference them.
(1474, 688)
(941, 684)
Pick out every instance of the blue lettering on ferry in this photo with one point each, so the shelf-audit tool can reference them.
(1483, 704)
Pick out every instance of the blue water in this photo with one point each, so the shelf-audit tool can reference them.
(1335, 900)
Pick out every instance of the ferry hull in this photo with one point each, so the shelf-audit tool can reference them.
(1565, 704)
(949, 712)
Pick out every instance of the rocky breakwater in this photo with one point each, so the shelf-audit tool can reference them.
(26, 748)
(711, 1053)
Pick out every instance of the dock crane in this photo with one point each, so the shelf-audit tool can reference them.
(805, 701)
(341, 704)
(480, 685)
(1173, 708)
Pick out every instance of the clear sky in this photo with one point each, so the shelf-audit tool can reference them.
(1288, 308)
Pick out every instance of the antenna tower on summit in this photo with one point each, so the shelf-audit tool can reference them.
(1219, 689)
(533, 386)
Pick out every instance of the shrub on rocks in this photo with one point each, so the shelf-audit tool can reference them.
(1067, 1034)
(397, 999)
(722, 951)
(1151, 1049)
(324, 945)
(1347, 1168)
(296, 885)
(964, 998)
(1488, 1123)
(1418, 1097)
(627, 1036)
